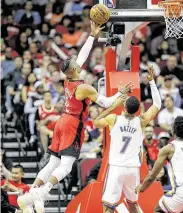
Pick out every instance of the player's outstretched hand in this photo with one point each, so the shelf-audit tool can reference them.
(126, 88)
(150, 77)
(95, 29)
(138, 189)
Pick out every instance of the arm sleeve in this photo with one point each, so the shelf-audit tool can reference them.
(107, 101)
(155, 94)
(85, 51)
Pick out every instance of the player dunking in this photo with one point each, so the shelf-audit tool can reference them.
(69, 132)
(125, 155)
(172, 201)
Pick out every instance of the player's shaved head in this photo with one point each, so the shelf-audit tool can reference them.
(178, 127)
(69, 65)
(132, 105)
(66, 65)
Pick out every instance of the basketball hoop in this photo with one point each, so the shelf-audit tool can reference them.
(173, 14)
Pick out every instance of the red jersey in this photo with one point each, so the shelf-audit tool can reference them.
(72, 105)
(13, 198)
(152, 149)
(44, 113)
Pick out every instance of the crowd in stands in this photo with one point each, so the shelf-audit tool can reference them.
(32, 86)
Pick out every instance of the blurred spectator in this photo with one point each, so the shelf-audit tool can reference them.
(155, 42)
(65, 22)
(168, 114)
(27, 16)
(146, 63)
(72, 37)
(97, 60)
(93, 114)
(163, 53)
(56, 86)
(43, 34)
(9, 30)
(28, 86)
(58, 39)
(46, 117)
(7, 65)
(34, 100)
(6, 164)
(56, 15)
(89, 147)
(15, 184)
(27, 57)
(41, 71)
(22, 43)
(169, 89)
(74, 7)
(171, 68)
(173, 47)
(163, 138)
(33, 48)
(46, 126)
(145, 88)
(18, 62)
(150, 143)
(86, 11)
(13, 91)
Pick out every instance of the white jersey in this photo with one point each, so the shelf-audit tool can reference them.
(175, 166)
(126, 148)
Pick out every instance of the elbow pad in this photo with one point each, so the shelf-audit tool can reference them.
(107, 101)
(155, 95)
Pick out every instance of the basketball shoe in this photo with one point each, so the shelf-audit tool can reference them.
(36, 197)
(24, 204)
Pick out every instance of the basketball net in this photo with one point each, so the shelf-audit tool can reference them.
(173, 14)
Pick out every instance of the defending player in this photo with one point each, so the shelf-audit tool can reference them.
(69, 132)
(125, 153)
(172, 201)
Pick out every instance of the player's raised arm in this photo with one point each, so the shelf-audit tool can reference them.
(85, 50)
(87, 91)
(154, 109)
(164, 155)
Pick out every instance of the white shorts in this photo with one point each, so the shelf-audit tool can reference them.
(118, 180)
(174, 203)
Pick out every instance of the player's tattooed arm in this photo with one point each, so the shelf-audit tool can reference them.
(165, 154)
(87, 91)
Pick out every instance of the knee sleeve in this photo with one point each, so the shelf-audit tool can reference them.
(46, 172)
(64, 168)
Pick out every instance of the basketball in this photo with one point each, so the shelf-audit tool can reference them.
(99, 14)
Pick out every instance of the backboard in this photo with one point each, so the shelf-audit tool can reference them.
(133, 10)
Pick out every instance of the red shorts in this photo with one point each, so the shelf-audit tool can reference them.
(68, 137)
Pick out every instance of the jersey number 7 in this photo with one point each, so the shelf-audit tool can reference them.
(126, 140)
